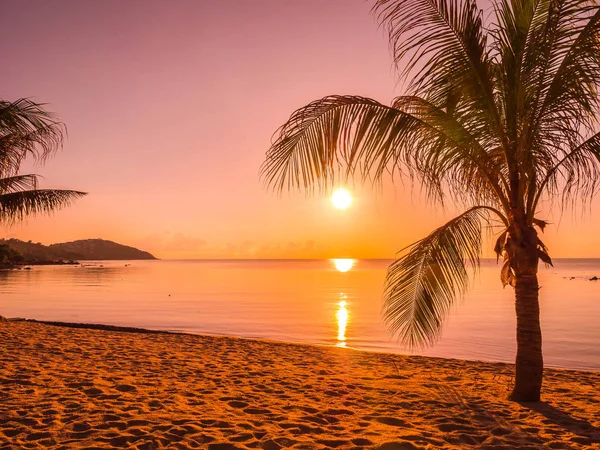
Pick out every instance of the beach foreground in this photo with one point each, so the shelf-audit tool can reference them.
(66, 388)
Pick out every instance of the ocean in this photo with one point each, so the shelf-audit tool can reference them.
(326, 302)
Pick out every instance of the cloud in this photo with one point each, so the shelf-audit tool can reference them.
(167, 243)
(176, 245)
(183, 242)
(251, 249)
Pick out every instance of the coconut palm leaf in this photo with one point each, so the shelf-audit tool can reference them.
(578, 172)
(333, 137)
(26, 129)
(569, 90)
(319, 137)
(548, 70)
(468, 159)
(15, 206)
(449, 56)
(18, 183)
(424, 283)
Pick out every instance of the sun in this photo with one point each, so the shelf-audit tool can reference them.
(341, 198)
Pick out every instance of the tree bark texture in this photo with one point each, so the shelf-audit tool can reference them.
(529, 364)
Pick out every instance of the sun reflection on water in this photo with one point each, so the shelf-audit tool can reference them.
(341, 316)
(343, 264)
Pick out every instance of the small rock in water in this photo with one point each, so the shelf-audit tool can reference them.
(594, 279)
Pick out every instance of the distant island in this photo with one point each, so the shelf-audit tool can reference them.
(15, 251)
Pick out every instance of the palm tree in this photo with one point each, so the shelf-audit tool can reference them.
(26, 129)
(499, 115)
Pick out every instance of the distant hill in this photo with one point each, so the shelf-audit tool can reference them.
(86, 249)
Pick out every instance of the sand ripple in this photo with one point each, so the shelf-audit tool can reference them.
(82, 388)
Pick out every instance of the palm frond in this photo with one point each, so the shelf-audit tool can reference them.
(442, 46)
(443, 35)
(519, 27)
(576, 174)
(567, 102)
(569, 89)
(535, 41)
(460, 153)
(314, 143)
(26, 129)
(15, 206)
(424, 283)
(336, 136)
(18, 183)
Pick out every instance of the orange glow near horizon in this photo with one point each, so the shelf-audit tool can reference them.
(181, 180)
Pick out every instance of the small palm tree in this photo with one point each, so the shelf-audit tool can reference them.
(500, 114)
(27, 130)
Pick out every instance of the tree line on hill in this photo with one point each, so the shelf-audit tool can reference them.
(15, 251)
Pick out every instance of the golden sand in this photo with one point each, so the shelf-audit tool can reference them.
(84, 388)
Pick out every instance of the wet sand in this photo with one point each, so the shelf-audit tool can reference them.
(68, 388)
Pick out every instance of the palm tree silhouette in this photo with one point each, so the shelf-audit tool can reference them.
(26, 129)
(500, 114)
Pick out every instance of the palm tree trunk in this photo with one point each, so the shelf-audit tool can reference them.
(529, 364)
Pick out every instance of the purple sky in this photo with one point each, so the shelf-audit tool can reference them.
(170, 107)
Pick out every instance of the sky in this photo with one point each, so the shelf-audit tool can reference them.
(170, 107)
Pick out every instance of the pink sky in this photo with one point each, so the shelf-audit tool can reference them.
(170, 107)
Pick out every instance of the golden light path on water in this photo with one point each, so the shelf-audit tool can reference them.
(341, 316)
(343, 264)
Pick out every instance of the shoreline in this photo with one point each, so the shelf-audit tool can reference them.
(141, 330)
(80, 386)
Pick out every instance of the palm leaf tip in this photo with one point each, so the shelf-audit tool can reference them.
(15, 206)
(422, 285)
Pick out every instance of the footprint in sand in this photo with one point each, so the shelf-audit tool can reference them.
(38, 436)
(237, 404)
(449, 427)
(243, 437)
(125, 388)
(392, 421)
(93, 391)
(81, 426)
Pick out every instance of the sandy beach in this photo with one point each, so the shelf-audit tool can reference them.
(64, 387)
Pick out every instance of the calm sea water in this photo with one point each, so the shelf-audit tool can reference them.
(314, 301)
